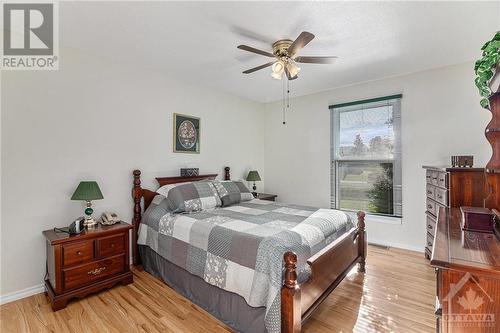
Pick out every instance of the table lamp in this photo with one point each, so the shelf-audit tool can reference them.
(87, 191)
(253, 176)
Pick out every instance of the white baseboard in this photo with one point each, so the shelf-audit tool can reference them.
(14, 296)
(40, 288)
(397, 245)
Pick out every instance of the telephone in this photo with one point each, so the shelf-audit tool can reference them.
(108, 218)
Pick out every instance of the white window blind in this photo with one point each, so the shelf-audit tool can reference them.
(366, 156)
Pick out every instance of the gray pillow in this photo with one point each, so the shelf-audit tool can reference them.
(192, 197)
(232, 192)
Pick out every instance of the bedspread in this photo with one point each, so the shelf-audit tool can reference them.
(240, 248)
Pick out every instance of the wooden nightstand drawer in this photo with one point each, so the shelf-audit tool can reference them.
(78, 253)
(109, 246)
(85, 274)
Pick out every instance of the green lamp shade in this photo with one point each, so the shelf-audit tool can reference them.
(87, 191)
(253, 176)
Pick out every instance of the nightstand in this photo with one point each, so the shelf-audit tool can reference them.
(78, 265)
(266, 196)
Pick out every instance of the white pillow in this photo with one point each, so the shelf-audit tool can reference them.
(166, 188)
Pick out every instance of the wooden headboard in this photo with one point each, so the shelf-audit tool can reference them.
(146, 196)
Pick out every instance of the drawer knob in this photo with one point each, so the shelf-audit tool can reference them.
(79, 253)
(429, 244)
(112, 244)
(429, 192)
(429, 226)
(429, 206)
(441, 179)
(96, 271)
(440, 196)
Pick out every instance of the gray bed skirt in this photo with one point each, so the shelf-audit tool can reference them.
(228, 307)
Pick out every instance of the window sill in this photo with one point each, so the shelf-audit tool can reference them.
(383, 219)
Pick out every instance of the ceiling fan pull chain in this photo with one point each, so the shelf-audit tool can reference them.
(288, 94)
(283, 103)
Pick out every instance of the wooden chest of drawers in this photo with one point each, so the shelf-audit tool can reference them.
(449, 187)
(82, 264)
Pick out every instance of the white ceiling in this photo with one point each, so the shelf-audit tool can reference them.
(196, 41)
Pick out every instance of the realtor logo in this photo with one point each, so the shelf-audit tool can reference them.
(29, 36)
(468, 304)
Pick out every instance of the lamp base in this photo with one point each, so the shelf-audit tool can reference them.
(89, 222)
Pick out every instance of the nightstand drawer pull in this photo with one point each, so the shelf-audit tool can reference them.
(96, 271)
(79, 253)
(429, 226)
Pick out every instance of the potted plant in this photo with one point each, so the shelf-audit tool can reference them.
(487, 70)
(488, 81)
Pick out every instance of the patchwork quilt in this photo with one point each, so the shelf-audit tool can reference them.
(240, 248)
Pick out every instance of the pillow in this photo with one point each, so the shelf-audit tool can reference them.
(166, 188)
(232, 192)
(191, 197)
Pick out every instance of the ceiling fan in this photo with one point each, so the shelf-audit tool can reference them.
(286, 59)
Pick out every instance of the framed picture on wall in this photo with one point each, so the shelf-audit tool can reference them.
(186, 134)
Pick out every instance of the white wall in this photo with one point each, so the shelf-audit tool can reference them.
(94, 119)
(441, 117)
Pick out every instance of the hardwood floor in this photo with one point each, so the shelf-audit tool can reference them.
(395, 295)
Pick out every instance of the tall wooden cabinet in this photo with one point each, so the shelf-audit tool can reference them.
(450, 187)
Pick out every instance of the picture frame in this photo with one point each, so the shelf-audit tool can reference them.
(186, 134)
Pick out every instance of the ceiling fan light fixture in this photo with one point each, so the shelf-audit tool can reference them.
(278, 67)
(277, 76)
(293, 69)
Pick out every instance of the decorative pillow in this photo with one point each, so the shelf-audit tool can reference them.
(166, 188)
(191, 197)
(232, 192)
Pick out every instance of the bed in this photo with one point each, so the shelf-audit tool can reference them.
(273, 280)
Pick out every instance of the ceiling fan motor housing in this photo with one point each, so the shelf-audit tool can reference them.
(280, 48)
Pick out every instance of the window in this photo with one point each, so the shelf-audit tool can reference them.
(366, 156)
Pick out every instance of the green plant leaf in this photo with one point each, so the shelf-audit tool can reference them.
(495, 43)
(486, 67)
(485, 45)
(485, 103)
(485, 91)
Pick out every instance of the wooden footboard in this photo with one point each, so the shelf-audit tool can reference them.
(328, 269)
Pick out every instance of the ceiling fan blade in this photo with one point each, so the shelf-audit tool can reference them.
(316, 60)
(251, 70)
(289, 76)
(301, 41)
(254, 50)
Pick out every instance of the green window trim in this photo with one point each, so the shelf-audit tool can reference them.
(364, 101)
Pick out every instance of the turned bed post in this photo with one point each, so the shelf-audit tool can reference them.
(136, 195)
(291, 316)
(362, 243)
